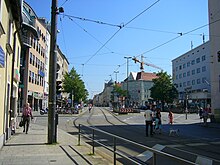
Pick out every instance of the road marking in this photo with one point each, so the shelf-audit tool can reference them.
(175, 145)
(148, 154)
(203, 161)
(196, 144)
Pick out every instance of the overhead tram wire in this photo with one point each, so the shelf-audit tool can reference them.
(64, 41)
(180, 35)
(121, 27)
(94, 21)
(64, 2)
(86, 31)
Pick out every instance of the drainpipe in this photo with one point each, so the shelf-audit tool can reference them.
(12, 78)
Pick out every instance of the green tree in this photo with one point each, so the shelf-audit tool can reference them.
(73, 84)
(118, 91)
(163, 89)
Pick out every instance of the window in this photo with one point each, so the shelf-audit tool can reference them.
(198, 81)
(198, 60)
(203, 68)
(36, 62)
(184, 74)
(184, 66)
(31, 58)
(35, 81)
(180, 67)
(193, 82)
(32, 77)
(188, 83)
(193, 72)
(192, 62)
(180, 84)
(188, 73)
(203, 58)
(184, 84)
(29, 76)
(177, 77)
(198, 70)
(188, 64)
(180, 76)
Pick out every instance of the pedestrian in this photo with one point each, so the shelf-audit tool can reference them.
(170, 116)
(205, 116)
(200, 112)
(148, 120)
(90, 107)
(158, 122)
(26, 115)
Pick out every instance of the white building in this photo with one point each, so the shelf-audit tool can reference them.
(191, 74)
(138, 85)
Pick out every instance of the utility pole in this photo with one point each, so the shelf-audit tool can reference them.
(127, 100)
(52, 73)
(116, 72)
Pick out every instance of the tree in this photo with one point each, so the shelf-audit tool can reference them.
(163, 89)
(118, 91)
(73, 84)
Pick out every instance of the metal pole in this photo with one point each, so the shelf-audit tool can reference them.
(186, 111)
(93, 142)
(127, 100)
(114, 141)
(52, 73)
(116, 75)
(79, 134)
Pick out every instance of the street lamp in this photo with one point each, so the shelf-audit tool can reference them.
(127, 100)
(116, 72)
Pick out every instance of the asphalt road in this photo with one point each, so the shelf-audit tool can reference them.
(194, 141)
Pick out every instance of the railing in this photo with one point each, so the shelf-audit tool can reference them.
(116, 152)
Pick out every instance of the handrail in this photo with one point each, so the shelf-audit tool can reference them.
(116, 152)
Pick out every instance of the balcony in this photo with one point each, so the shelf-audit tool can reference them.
(29, 23)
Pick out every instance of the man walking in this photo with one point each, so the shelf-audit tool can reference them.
(148, 120)
(26, 114)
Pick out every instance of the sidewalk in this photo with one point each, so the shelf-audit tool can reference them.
(31, 149)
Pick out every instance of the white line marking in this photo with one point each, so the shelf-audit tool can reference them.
(203, 161)
(148, 154)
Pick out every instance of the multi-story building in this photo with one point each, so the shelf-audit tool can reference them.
(191, 75)
(33, 58)
(138, 86)
(10, 48)
(47, 61)
(62, 69)
(214, 26)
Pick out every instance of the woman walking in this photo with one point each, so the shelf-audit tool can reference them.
(26, 114)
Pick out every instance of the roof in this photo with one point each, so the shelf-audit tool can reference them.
(146, 76)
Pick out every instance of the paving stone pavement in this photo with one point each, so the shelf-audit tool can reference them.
(32, 149)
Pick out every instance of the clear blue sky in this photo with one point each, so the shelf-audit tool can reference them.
(83, 42)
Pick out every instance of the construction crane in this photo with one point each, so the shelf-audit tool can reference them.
(145, 63)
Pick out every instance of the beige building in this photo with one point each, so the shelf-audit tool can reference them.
(33, 58)
(10, 48)
(62, 69)
(214, 16)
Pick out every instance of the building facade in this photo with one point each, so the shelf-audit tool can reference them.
(191, 75)
(10, 48)
(214, 25)
(62, 69)
(138, 86)
(34, 59)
